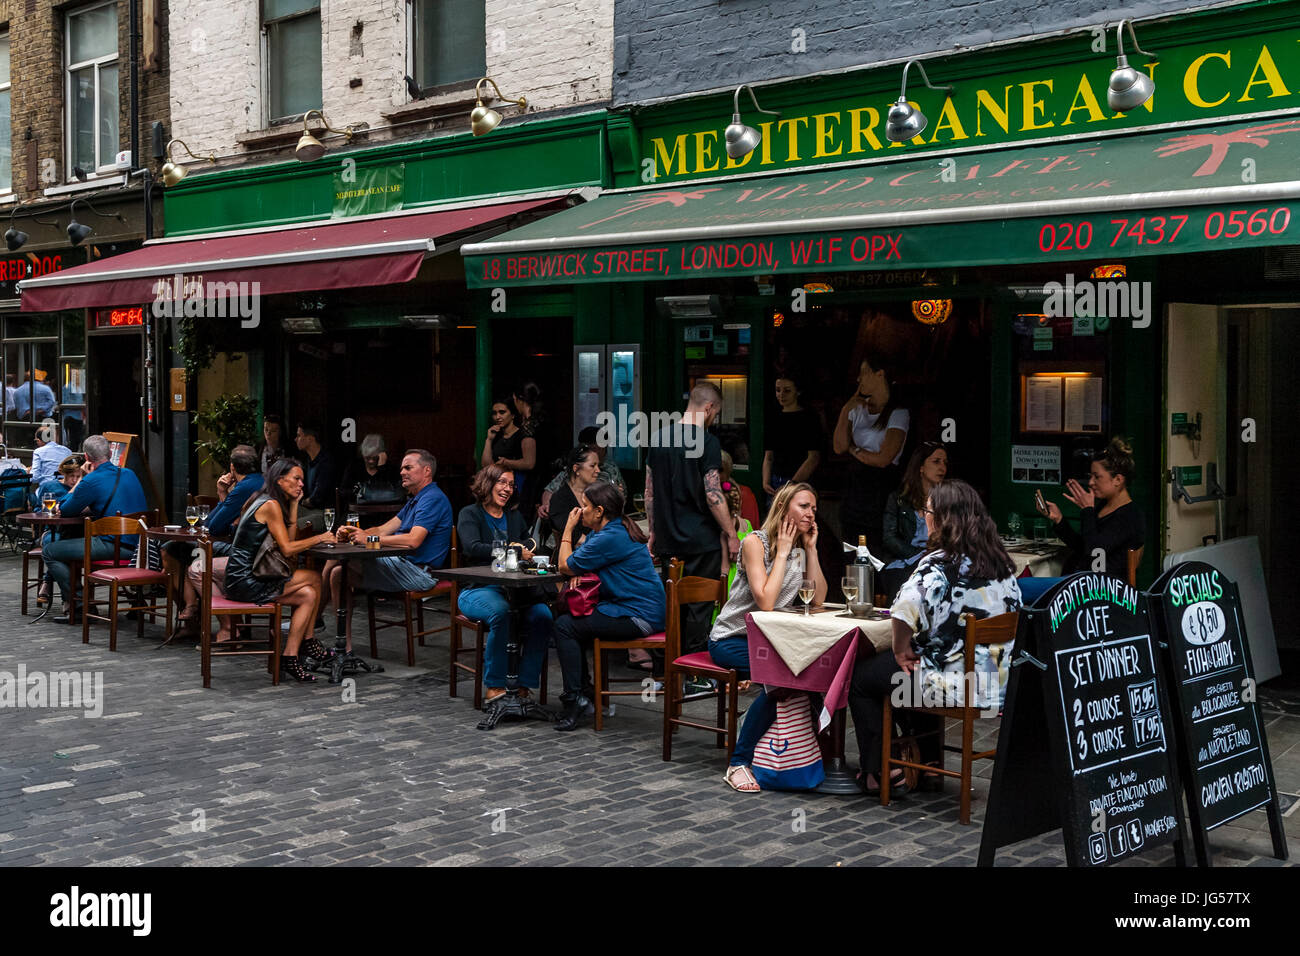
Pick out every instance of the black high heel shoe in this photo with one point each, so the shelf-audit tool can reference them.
(293, 667)
(312, 647)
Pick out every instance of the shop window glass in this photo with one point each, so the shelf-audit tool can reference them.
(92, 94)
(6, 153)
(448, 42)
(293, 52)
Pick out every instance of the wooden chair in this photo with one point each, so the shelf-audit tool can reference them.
(212, 604)
(412, 619)
(459, 624)
(32, 582)
(600, 672)
(118, 574)
(989, 631)
(1134, 559)
(76, 568)
(677, 667)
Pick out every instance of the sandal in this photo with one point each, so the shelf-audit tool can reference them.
(897, 784)
(645, 664)
(312, 647)
(746, 784)
(292, 666)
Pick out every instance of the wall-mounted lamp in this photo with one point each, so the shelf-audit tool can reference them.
(309, 147)
(1128, 88)
(171, 172)
(741, 139)
(77, 232)
(484, 120)
(905, 120)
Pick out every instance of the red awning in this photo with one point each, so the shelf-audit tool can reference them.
(335, 255)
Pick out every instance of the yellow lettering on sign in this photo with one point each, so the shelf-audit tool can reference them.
(1191, 85)
(999, 114)
(766, 130)
(1271, 77)
(792, 133)
(858, 130)
(1033, 109)
(825, 132)
(664, 159)
(949, 120)
(1089, 103)
(737, 163)
(705, 140)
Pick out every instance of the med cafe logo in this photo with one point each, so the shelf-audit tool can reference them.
(74, 909)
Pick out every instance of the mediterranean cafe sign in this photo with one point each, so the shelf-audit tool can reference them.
(1242, 75)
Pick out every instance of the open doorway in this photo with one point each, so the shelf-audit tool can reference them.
(116, 378)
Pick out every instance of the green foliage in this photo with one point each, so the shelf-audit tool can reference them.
(197, 345)
(231, 420)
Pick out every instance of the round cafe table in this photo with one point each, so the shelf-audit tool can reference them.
(346, 662)
(40, 521)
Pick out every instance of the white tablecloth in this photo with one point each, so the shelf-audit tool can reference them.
(1049, 565)
(800, 639)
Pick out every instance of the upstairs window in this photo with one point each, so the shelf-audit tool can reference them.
(448, 41)
(93, 108)
(292, 42)
(6, 153)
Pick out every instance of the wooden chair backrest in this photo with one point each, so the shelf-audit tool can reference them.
(689, 590)
(1134, 559)
(117, 526)
(988, 631)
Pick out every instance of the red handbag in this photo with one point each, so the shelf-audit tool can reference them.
(581, 596)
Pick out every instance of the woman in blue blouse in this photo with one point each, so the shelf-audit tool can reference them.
(905, 530)
(478, 526)
(631, 601)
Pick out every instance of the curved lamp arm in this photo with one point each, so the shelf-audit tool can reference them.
(1119, 39)
(347, 131)
(522, 102)
(211, 157)
(902, 94)
(736, 103)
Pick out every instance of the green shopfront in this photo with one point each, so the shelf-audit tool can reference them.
(1041, 272)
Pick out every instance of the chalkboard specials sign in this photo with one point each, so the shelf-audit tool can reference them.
(1086, 707)
(1223, 752)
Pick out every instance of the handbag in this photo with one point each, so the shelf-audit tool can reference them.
(787, 756)
(582, 595)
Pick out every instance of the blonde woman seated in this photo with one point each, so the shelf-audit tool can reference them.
(766, 578)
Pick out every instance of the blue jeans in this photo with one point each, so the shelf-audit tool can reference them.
(489, 605)
(733, 652)
(394, 573)
(57, 554)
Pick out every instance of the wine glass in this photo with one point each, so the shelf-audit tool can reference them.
(807, 591)
(48, 502)
(850, 588)
(1013, 524)
(204, 511)
(329, 519)
(192, 516)
(498, 554)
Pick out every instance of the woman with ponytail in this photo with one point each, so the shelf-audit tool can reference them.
(631, 601)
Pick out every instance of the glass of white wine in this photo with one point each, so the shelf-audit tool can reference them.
(204, 511)
(329, 519)
(850, 588)
(192, 516)
(807, 591)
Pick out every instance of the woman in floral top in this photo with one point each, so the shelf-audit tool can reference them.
(965, 570)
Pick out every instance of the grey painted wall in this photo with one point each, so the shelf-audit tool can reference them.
(672, 47)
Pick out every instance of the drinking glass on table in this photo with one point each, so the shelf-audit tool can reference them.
(807, 591)
(204, 511)
(48, 502)
(191, 516)
(329, 519)
(850, 588)
(354, 520)
(498, 554)
(1013, 524)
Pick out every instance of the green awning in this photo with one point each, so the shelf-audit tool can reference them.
(1179, 189)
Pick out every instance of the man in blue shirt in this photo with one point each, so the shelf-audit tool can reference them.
(33, 391)
(49, 453)
(423, 525)
(106, 490)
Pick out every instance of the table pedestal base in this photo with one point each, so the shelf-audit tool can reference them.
(510, 704)
(341, 663)
(840, 780)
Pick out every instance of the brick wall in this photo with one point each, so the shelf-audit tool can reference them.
(672, 47)
(556, 54)
(36, 32)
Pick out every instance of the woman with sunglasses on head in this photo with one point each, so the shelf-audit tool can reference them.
(581, 471)
(905, 530)
(478, 527)
(965, 570)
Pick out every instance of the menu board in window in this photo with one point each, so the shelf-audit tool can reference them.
(1058, 398)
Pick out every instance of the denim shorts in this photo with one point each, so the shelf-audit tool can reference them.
(394, 573)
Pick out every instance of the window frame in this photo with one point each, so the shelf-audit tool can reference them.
(412, 55)
(97, 63)
(6, 86)
(267, 97)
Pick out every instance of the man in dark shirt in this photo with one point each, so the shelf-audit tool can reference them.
(106, 490)
(684, 502)
(320, 476)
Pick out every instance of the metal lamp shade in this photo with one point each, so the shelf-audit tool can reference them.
(77, 233)
(483, 119)
(1128, 88)
(172, 174)
(741, 139)
(15, 239)
(905, 121)
(308, 148)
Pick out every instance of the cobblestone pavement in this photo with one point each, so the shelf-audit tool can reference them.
(250, 774)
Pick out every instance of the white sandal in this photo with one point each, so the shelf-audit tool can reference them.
(730, 775)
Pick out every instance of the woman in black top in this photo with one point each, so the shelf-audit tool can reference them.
(274, 511)
(581, 469)
(1109, 521)
(794, 440)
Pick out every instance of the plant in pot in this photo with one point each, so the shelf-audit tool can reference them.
(230, 420)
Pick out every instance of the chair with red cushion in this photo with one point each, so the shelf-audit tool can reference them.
(212, 602)
(118, 573)
(600, 672)
(679, 666)
(75, 566)
(412, 619)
